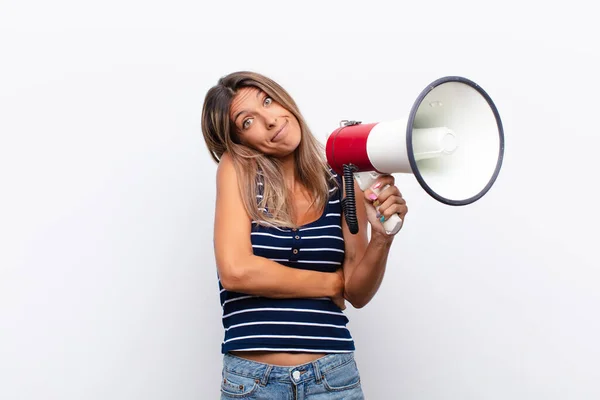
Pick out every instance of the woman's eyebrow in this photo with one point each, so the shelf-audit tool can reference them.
(238, 115)
(258, 93)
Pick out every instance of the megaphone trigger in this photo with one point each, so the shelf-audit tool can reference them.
(366, 180)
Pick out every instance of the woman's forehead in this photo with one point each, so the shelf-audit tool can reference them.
(244, 96)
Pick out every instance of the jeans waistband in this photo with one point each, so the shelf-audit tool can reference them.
(296, 374)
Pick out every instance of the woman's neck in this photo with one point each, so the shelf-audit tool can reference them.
(289, 172)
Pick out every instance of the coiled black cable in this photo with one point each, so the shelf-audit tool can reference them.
(349, 202)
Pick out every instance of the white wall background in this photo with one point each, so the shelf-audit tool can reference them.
(107, 279)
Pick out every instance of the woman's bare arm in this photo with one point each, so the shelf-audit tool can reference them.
(239, 269)
(366, 260)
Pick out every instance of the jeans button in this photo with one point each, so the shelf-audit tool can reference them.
(296, 375)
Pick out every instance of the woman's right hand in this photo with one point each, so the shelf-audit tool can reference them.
(338, 289)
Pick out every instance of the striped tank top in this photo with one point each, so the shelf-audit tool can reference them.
(299, 324)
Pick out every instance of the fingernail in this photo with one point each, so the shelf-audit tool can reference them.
(376, 185)
(382, 219)
(373, 196)
(378, 214)
(376, 203)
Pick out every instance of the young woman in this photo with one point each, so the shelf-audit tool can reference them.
(285, 257)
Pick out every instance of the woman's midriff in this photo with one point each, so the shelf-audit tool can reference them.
(278, 358)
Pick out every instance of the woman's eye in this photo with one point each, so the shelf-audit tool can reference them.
(268, 101)
(246, 123)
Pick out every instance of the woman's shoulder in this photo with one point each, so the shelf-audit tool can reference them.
(229, 172)
(334, 182)
(330, 170)
(225, 158)
(332, 174)
(226, 168)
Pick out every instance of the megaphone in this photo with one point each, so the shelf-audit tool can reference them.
(452, 141)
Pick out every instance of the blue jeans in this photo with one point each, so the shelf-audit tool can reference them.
(334, 376)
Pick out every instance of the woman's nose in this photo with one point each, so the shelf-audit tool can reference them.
(270, 120)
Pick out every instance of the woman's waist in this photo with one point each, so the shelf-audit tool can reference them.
(279, 358)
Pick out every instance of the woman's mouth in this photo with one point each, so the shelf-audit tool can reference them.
(279, 131)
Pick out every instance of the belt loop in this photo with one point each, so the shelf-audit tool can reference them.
(317, 371)
(265, 377)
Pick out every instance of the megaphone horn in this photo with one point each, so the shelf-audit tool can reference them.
(452, 142)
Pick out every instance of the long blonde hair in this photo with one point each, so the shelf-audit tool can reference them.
(220, 136)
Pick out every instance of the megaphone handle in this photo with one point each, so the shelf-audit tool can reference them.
(365, 180)
(393, 224)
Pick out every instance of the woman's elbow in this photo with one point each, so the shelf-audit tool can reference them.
(231, 275)
(359, 305)
(358, 301)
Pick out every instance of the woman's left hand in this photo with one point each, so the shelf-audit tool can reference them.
(389, 199)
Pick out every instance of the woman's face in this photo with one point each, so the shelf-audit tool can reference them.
(263, 124)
